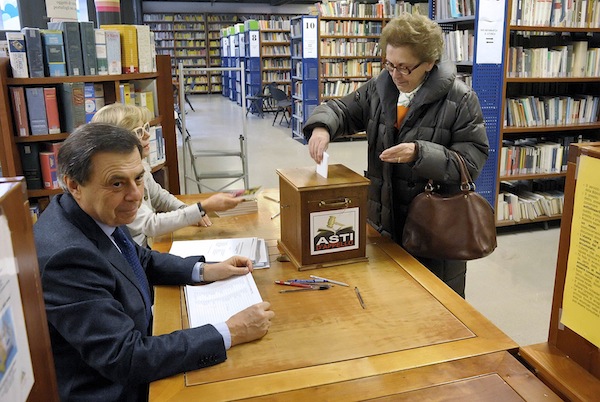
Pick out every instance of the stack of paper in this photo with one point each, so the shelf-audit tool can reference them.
(217, 301)
(217, 250)
(246, 207)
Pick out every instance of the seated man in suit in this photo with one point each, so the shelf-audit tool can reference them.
(98, 284)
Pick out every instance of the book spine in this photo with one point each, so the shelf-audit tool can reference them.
(73, 105)
(88, 44)
(72, 42)
(113, 51)
(54, 54)
(52, 110)
(35, 54)
(30, 161)
(144, 49)
(36, 110)
(101, 58)
(129, 47)
(94, 99)
(48, 170)
(20, 111)
(17, 54)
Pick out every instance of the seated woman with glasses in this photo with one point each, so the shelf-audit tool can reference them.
(160, 212)
(414, 113)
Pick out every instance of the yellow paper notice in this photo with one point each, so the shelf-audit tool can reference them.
(581, 301)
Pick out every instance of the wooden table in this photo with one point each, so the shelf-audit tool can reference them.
(415, 338)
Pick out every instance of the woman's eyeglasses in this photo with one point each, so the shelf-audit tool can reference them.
(400, 69)
(141, 130)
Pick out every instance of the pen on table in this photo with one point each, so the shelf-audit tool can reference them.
(302, 289)
(360, 299)
(307, 280)
(275, 216)
(329, 280)
(270, 198)
(300, 285)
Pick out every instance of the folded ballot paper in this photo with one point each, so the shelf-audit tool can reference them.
(217, 250)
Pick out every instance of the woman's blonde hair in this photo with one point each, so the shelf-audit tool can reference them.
(122, 115)
(417, 32)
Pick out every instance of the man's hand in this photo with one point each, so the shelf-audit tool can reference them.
(401, 153)
(251, 323)
(318, 143)
(236, 265)
(220, 202)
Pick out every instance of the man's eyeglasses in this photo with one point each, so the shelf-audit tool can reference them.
(141, 130)
(400, 69)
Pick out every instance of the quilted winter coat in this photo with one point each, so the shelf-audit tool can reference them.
(444, 114)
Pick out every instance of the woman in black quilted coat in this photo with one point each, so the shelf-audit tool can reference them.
(441, 113)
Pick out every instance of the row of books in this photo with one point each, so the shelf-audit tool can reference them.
(349, 47)
(528, 200)
(347, 28)
(270, 76)
(274, 24)
(354, 68)
(447, 9)
(535, 155)
(340, 88)
(572, 60)
(76, 48)
(36, 110)
(276, 63)
(532, 111)
(274, 37)
(556, 13)
(459, 45)
(383, 8)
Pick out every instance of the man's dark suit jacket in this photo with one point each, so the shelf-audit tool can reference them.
(96, 315)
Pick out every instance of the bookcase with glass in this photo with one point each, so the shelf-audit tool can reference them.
(33, 122)
(550, 99)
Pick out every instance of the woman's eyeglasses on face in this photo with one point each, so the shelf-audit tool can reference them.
(141, 130)
(400, 69)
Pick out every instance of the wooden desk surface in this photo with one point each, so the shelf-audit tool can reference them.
(324, 339)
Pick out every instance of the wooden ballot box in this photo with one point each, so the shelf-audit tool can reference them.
(323, 220)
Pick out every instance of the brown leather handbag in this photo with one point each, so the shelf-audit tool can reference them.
(450, 227)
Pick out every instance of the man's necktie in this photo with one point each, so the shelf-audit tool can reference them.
(128, 251)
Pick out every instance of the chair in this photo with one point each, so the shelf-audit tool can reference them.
(257, 102)
(283, 104)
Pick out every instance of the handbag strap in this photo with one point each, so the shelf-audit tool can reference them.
(466, 182)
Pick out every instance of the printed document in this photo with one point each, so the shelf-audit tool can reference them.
(218, 301)
(217, 250)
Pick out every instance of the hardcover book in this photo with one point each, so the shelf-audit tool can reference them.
(88, 44)
(73, 105)
(52, 110)
(101, 59)
(94, 99)
(72, 41)
(54, 53)
(35, 54)
(19, 111)
(144, 48)
(113, 51)
(30, 161)
(48, 169)
(129, 47)
(36, 110)
(17, 54)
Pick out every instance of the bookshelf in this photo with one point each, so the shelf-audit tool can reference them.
(544, 107)
(254, 86)
(275, 52)
(305, 71)
(159, 81)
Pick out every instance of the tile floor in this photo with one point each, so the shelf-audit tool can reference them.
(512, 287)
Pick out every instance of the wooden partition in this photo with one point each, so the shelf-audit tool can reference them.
(15, 208)
(568, 362)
